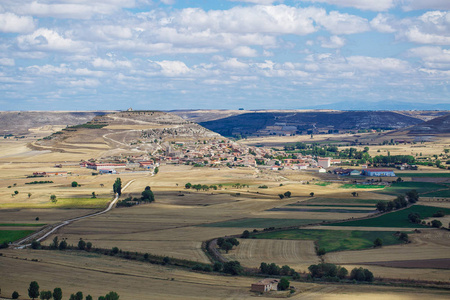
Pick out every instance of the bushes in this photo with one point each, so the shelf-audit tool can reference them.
(327, 271)
(274, 269)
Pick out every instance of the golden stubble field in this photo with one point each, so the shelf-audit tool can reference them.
(172, 227)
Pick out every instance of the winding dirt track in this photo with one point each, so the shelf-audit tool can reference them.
(48, 230)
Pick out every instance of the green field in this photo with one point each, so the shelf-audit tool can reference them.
(21, 225)
(418, 174)
(442, 193)
(361, 186)
(354, 200)
(324, 210)
(397, 219)
(420, 187)
(251, 223)
(331, 205)
(323, 183)
(13, 235)
(334, 240)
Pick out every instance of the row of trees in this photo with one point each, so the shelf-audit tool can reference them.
(147, 196)
(332, 272)
(227, 244)
(274, 269)
(33, 293)
(401, 201)
(204, 187)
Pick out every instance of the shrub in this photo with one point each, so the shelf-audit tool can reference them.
(283, 284)
(74, 184)
(217, 266)
(15, 295)
(436, 223)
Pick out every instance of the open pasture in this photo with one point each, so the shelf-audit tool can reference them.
(398, 219)
(421, 187)
(13, 235)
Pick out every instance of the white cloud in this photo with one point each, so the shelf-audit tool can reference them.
(111, 64)
(408, 5)
(263, 2)
(75, 9)
(383, 23)
(374, 5)
(338, 23)
(432, 57)
(9, 62)
(10, 22)
(45, 39)
(332, 42)
(173, 68)
(234, 64)
(244, 51)
(85, 83)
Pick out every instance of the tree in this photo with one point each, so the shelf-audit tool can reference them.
(311, 194)
(53, 199)
(245, 234)
(283, 284)
(414, 217)
(35, 245)
(74, 184)
(16, 192)
(188, 185)
(15, 295)
(354, 194)
(117, 186)
(232, 267)
(217, 266)
(29, 195)
(88, 297)
(378, 242)
(112, 296)
(287, 194)
(412, 196)
(88, 246)
(147, 195)
(342, 272)
(81, 244)
(33, 290)
(62, 245)
(281, 196)
(93, 195)
(436, 223)
(381, 206)
(57, 294)
(79, 296)
(156, 170)
(115, 250)
(45, 295)
(55, 243)
(220, 241)
(227, 246)
(403, 237)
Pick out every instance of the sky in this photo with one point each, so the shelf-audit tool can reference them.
(221, 54)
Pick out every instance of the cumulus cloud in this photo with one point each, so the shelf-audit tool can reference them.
(173, 68)
(45, 39)
(263, 2)
(10, 22)
(244, 51)
(110, 64)
(383, 23)
(332, 42)
(432, 57)
(373, 5)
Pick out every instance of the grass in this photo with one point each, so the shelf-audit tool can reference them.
(330, 210)
(21, 225)
(13, 235)
(443, 194)
(334, 240)
(261, 223)
(420, 187)
(328, 205)
(323, 183)
(361, 186)
(432, 175)
(397, 219)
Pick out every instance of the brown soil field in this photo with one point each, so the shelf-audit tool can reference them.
(296, 254)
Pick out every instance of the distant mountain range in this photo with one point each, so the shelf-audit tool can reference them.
(382, 105)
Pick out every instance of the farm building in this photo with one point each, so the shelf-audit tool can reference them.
(324, 162)
(346, 172)
(378, 173)
(105, 166)
(265, 285)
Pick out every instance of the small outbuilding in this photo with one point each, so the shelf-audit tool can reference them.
(265, 285)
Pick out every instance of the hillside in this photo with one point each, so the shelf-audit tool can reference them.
(270, 123)
(139, 132)
(19, 122)
(440, 125)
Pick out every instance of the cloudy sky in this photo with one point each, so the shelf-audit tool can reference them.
(187, 54)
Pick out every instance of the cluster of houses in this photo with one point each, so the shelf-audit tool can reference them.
(226, 153)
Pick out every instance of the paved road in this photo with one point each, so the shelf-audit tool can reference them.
(52, 228)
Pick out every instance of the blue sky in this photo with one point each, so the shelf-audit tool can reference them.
(255, 54)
